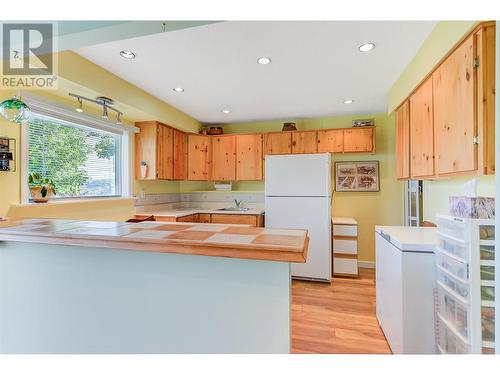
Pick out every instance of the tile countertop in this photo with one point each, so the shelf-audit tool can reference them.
(422, 239)
(180, 212)
(219, 240)
(202, 208)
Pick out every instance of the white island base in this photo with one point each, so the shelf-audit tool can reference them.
(77, 299)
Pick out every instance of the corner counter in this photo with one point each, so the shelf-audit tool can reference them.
(108, 287)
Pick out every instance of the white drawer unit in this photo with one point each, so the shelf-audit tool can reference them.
(345, 230)
(345, 246)
(345, 266)
(465, 273)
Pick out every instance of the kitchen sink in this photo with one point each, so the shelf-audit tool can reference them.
(233, 209)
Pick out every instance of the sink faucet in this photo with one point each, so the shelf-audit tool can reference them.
(239, 204)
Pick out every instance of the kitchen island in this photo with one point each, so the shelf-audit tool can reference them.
(71, 286)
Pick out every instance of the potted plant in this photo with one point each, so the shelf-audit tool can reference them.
(41, 188)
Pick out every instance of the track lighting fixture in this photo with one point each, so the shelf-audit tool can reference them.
(105, 102)
(80, 107)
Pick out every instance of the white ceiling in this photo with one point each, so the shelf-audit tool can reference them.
(315, 66)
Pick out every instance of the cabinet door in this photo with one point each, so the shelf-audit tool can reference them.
(165, 146)
(180, 155)
(224, 158)
(422, 132)
(249, 157)
(188, 219)
(359, 140)
(304, 143)
(454, 120)
(203, 218)
(403, 141)
(234, 219)
(198, 157)
(331, 140)
(145, 150)
(278, 143)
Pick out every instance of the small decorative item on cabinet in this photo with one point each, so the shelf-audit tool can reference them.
(203, 130)
(215, 130)
(363, 122)
(289, 126)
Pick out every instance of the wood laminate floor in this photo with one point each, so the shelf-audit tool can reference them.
(337, 317)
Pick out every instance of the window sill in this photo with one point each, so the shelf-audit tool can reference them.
(56, 202)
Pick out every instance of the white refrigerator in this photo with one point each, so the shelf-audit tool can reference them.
(298, 195)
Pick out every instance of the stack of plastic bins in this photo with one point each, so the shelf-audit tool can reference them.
(465, 285)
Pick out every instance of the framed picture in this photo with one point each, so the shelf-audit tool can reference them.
(357, 176)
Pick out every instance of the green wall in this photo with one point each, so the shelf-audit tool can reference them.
(441, 39)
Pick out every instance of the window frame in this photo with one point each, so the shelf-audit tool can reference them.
(65, 114)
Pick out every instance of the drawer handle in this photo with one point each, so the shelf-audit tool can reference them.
(385, 236)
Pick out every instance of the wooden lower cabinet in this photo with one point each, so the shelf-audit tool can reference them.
(170, 219)
(188, 219)
(204, 218)
(254, 220)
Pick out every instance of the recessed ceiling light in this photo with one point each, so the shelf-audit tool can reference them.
(366, 47)
(178, 89)
(226, 111)
(127, 54)
(264, 60)
(348, 101)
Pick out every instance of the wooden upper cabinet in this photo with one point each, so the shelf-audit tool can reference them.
(145, 150)
(180, 155)
(454, 117)
(422, 131)
(304, 142)
(278, 143)
(249, 158)
(403, 141)
(331, 140)
(359, 139)
(198, 157)
(485, 97)
(154, 147)
(165, 161)
(224, 158)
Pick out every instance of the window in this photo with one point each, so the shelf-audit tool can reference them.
(82, 161)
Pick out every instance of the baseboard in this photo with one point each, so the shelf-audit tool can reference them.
(366, 264)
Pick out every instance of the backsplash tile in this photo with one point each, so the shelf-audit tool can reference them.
(193, 199)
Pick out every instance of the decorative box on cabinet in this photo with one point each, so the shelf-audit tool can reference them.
(345, 246)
